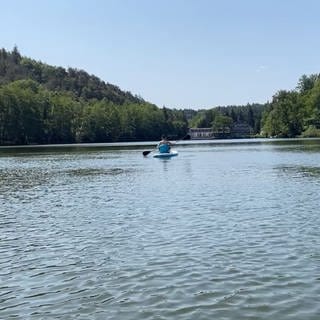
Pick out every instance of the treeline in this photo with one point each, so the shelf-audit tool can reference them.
(30, 113)
(296, 112)
(78, 82)
(41, 104)
(223, 119)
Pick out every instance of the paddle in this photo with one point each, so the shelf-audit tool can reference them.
(186, 137)
(145, 153)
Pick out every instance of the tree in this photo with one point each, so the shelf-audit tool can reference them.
(16, 57)
(286, 115)
(222, 123)
(306, 83)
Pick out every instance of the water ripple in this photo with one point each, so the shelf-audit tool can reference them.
(218, 233)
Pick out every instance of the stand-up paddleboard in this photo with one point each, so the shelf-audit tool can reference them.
(170, 154)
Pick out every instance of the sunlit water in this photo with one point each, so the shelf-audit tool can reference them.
(223, 231)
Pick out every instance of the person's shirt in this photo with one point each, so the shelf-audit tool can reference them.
(164, 146)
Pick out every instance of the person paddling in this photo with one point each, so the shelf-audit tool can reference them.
(164, 145)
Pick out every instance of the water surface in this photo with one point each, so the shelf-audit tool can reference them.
(226, 230)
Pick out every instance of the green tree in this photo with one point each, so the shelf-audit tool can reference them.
(222, 123)
(286, 115)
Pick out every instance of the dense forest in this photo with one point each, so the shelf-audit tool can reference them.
(294, 113)
(224, 119)
(43, 104)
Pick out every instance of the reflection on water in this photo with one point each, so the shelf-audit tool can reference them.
(226, 230)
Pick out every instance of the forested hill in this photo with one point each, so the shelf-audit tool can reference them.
(42, 104)
(289, 114)
(82, 85)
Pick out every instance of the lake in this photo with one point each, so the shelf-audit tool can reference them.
(226, 230)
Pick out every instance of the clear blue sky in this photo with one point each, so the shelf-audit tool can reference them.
(178, 53)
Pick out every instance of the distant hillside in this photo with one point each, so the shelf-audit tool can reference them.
(294, 113)
(13, 67)
(42, 104)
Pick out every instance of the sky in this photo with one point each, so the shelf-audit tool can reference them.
(194, 54)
